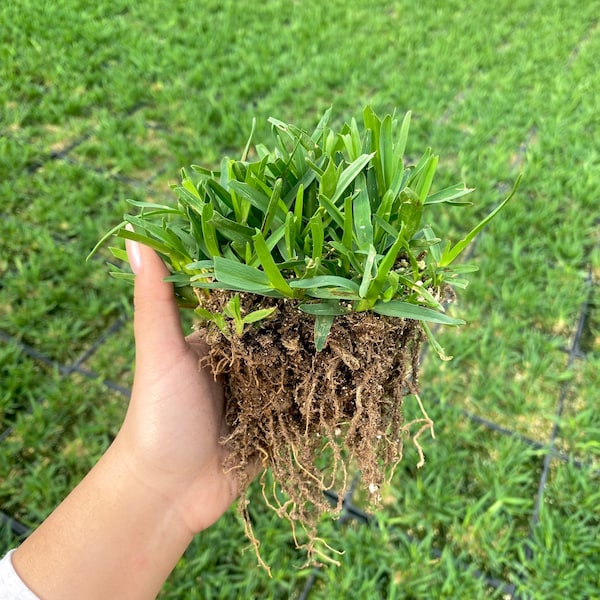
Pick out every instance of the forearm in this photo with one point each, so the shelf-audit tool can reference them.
(112, 537)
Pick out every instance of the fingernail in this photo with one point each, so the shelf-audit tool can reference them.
(133, 252)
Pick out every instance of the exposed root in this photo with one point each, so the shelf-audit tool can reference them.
(249, 531)
(308, 415)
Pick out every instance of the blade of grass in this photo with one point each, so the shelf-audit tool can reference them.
(323, 325)
(450, 254)
(271, 270)
(325, 281)
(406, 310)
(368, 272)
(361, 212)
(272, 207)
(450, 195)
(349, 174)
(209, 232)
(240, 276)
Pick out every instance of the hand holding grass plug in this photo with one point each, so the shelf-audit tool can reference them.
(124, 527)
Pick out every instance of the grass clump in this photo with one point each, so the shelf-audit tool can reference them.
(331, 220)
(315, 270)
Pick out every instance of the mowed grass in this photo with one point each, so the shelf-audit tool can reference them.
(104, 102)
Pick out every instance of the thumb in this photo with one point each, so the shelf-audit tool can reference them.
(156, 323)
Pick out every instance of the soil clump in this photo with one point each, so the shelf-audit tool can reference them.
(309, 415)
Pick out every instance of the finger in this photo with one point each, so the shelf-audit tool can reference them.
(156, 322)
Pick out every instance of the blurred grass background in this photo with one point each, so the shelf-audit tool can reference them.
(107, 101)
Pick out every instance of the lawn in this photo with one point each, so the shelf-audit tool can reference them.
(101, 102)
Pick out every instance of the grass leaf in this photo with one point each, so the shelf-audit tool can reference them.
(241, 277)
(324, 281)
(450, 254)
(323, 325)
(272, 207)
(450, 195)
(349, 174)
(406, 310)
(361, 211)
(323, 308)
(259, 315)
(400, 146)
(271, 270)
(368, 272)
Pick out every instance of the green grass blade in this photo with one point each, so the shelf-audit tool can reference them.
(361, 212)
(224, 201)
(298, 210)
(233, 309)
(321, 126)
(129, 277)
(259, 315)
(157, 237)
(383, 269)
(325, 281)
(348, 226)
(420, 290)
(240, 276)
(308, 178)
(119, 254)
(332, 294)
(386, 152)
(435, 249)
(400, 147)
(272, 207)
(450, 254)
(200, 265)
(275, 237)
(425, 180)
(275, 278)
(290, 238)
(332, 210)
(209, 232)
(328, 180)
(352, 141)
(156, 208)
(349, 174)
(318, 236)
(323, 308)
(115, 230)
(247, 146)
(406, 310)
(368, 272)
(434, 343)
(373, 127)
(385, 228)
(450, 195)
(232, 230)
(411, 212)
(255, 197)
(323, 325)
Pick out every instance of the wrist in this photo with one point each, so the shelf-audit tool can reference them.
(112, 537)
(145, 493)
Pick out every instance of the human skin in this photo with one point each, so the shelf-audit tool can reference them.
(121, 531)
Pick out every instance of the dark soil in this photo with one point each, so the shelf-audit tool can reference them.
(311, 416)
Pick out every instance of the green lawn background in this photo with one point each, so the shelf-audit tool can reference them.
(104, 102)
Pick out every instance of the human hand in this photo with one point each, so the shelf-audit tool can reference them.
(171, 435)
(123, 528)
